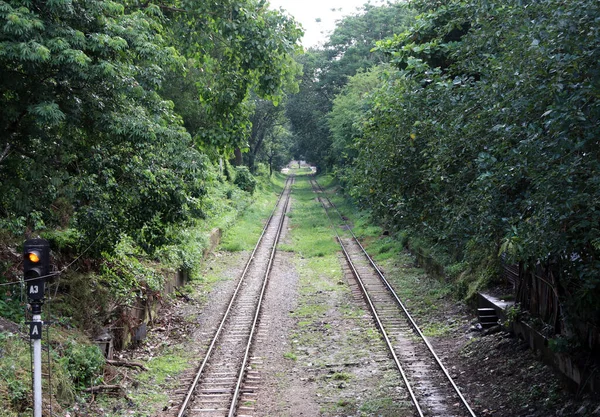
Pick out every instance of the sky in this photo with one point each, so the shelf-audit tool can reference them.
(308, 11)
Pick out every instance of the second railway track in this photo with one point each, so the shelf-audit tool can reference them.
(430, 386)
(223, 379)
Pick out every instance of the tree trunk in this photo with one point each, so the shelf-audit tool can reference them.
(251, 161)
(238, 157)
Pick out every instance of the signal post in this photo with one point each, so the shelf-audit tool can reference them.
(36, 268)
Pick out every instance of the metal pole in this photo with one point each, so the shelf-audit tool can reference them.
(37, 366)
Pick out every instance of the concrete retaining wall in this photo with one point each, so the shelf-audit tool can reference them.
(134, 320)
(580, 371)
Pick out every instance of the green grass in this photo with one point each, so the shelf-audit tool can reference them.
(341, 376)
(162, 369)
(325, 300)
(421, 293)
(244, 232)
(385, 248)
(307, 311)
(15, 379)
(436, 329)
(162, 374)
(316, 260)
(311, 231)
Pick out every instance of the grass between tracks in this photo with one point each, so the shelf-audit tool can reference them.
(334, 340)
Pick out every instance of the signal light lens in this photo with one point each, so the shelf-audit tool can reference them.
(33, 257)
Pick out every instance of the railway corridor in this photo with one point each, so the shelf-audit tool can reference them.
(297, 337)
(292, 343)
(300, 338)
(430, 386)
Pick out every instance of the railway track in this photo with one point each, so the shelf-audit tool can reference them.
(225, 378)
(430, 386)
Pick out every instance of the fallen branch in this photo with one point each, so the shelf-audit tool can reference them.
(185, 297)
(105, 388)
(126, 364)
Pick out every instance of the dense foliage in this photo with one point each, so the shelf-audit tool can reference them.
(482, 138)
(113, 113)
(327, 70)
(117, 121)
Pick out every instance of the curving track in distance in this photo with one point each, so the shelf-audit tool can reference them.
(430, 386)
(217, 387)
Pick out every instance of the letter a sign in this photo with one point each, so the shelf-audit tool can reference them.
(35, 330)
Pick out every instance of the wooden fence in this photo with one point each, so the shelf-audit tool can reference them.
(537, 292)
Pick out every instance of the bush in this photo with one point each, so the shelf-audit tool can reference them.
(244, 179)
(83, 363)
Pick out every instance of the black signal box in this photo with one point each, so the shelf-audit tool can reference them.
(36, 267)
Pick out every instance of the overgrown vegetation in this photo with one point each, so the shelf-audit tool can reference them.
(468, 129)
(122, 279)
(476, 137)
(73, 364)
(119, 121)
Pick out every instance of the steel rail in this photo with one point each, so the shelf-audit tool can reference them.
(382, 329)
(388, 342)
(417, 329)
(399, 302)
(190, 392)
(412, 322)
(236, 393)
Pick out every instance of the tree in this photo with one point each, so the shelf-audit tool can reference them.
(79, 85)
(485, 139)
(347, 116)
(327, 71)
(265, 119)
(349, 49)
(276, 151)
(88, 139)
(306, 112)
(234, 49)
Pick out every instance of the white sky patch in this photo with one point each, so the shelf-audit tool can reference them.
(307, 12)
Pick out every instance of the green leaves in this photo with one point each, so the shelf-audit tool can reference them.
(486, 137)
(234, 49)
(79, 84)
(328, 70)
(47, 114)
(18, 21)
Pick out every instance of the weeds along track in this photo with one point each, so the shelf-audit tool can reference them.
(429, 385)
(223, 379)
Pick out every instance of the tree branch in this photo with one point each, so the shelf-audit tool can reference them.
(5, 152)
(172, 9)
(105, 388)
(126, 364)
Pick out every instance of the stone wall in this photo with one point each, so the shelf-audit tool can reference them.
(134, 321)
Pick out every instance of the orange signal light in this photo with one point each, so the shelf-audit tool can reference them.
(33, 257)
